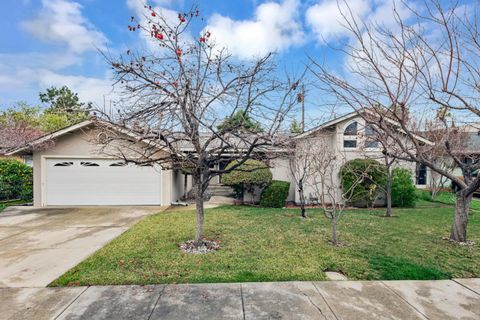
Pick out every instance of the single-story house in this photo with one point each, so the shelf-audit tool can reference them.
(72, 170)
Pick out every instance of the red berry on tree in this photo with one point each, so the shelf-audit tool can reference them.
(202, 39)
(154, 14)
(179, 52)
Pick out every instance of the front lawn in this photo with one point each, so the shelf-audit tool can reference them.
(444, 197)
(276, 245)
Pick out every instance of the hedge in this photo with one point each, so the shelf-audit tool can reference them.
(374, 175)
(403, 189)
(16, 180)
(247, 175)
(275, 194)
(251, 172)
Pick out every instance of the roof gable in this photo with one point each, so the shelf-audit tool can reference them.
(348, 117)
(327, 124)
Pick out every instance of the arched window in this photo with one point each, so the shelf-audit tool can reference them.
(350, 135)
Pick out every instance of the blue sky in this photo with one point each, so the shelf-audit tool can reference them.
(56, 42)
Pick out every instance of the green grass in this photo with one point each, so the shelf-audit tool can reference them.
(260, 244)
(5, 204)
(445, 198)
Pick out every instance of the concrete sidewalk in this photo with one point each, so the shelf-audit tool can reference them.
(445, 299)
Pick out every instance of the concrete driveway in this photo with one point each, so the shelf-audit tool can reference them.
(37, 245)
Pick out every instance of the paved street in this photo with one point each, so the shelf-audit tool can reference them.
(445, 299)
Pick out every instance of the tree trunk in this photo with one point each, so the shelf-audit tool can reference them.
(334, 231)
(185, 184)
(199, 211)
(303, 212)
(389, 193)
(460, 220)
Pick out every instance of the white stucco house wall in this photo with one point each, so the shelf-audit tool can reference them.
(73, 170)
(347, 137)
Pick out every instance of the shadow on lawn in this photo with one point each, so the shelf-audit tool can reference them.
(391, 268)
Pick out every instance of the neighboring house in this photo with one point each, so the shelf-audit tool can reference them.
(72, 170)
(467, 149)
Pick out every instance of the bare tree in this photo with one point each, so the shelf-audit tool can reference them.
(424, 69)
(176, 96)
(299, 164)
(326, 164)
(458, 140)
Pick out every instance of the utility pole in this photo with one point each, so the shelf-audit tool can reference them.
(303, 108)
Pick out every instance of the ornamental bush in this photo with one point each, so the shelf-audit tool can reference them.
(372, 175)
(249, 174)
(403, 189)
(16, 180)
(275, 194)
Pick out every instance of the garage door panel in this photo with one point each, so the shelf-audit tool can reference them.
(97, 182)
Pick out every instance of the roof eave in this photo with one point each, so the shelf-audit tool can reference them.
(50, 136)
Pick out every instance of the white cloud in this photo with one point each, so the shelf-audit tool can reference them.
(61, 21)
(23, 76)
(327, 18)
(274, 27)
(97, 90)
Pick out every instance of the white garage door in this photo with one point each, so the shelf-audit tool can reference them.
(101, 182)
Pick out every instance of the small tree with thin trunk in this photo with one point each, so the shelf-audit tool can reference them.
(379, 147)
(177, 94)
(421, 71)
(326, 165)
(458, 140)
(299, 164)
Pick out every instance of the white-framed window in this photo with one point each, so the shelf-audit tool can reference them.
(350, 136)
(370, 141)
(28, 159)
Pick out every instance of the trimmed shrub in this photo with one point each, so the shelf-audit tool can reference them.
(403, 189)
(16, 180)
(275, 194)
(374, 176)
(249, 174)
